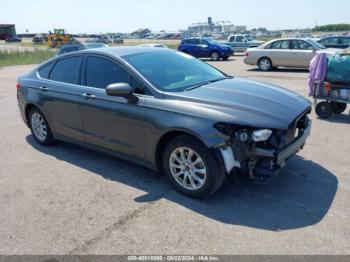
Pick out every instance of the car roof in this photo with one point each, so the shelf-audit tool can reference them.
(121, 51)
(331, 36)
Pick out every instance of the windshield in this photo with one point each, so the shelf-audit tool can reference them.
(316, 44)
(173, 71)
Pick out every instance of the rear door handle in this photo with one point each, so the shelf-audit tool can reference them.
(43, 88)
(89, 96)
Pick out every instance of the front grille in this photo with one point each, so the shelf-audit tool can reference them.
(282, 138)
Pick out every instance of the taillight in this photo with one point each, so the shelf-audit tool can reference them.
(18, 85)
(246, 54)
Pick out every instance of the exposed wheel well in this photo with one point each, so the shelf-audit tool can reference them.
(162, 143)
(27, 110)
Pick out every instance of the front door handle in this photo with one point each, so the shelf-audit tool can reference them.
(88, 96)
(43, 88)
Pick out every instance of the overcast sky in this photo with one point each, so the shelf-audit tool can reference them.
(90, 16)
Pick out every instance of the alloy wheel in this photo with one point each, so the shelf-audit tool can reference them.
(187, 168)
(39, 126)
(265, 64)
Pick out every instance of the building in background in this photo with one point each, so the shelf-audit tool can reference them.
(215, 27)
(7, 31)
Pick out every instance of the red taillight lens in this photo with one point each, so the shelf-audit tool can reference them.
(18, 85)
(246, 54)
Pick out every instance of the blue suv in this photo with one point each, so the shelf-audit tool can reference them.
(205, 47)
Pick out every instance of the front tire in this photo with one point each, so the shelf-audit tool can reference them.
(215, 56)
(265, 64)
(40, 128)
(192, 167)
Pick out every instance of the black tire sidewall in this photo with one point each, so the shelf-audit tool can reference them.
(215, 174)
(49, 137)
(321, 113)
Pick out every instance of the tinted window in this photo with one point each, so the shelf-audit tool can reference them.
(239, 39)
(280, 45)
(329, 41)
(45, 71)
(300, 44)
(193, 41)
(345, 40)
(101, 72)
(67, 70)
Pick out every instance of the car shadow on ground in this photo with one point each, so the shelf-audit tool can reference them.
(341, 118)
(280, 70)
(231, 59)
(301, 196)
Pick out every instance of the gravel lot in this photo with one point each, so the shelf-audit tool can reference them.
(68, 200)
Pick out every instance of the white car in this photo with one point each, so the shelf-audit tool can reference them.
(154, 45)
(291, 52)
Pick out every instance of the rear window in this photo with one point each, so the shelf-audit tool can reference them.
(284, 44)
(44, 71)
(67, 70)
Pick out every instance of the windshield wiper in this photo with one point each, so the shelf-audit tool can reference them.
(208, 82)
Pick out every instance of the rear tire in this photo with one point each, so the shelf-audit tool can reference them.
(338, 108)
(265, 64)
(324, 109)
(192, 167)
(41, 130)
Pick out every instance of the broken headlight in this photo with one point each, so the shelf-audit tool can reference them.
(261, 135)
(244, 134)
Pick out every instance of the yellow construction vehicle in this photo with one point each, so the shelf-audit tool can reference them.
(58, 38)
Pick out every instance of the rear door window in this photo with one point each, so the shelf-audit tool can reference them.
(300, 44)
(330, 41)
(44, 71)
(345, 40)
(101, 72)
(284, 44)
(67, 70)
(239, 39)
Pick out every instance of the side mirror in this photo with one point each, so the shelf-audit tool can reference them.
(122, 90)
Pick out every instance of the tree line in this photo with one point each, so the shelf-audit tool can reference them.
(332, 27)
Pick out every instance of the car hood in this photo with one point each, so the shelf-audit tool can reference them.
(244, 102)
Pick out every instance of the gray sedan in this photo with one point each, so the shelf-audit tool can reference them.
(293, 52)
(167, 111)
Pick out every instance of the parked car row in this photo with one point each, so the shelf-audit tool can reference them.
(72, 47)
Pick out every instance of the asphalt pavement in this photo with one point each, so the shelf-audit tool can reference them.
(69, 200)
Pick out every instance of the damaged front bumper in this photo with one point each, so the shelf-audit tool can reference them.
(280, 156)
(263, 162)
